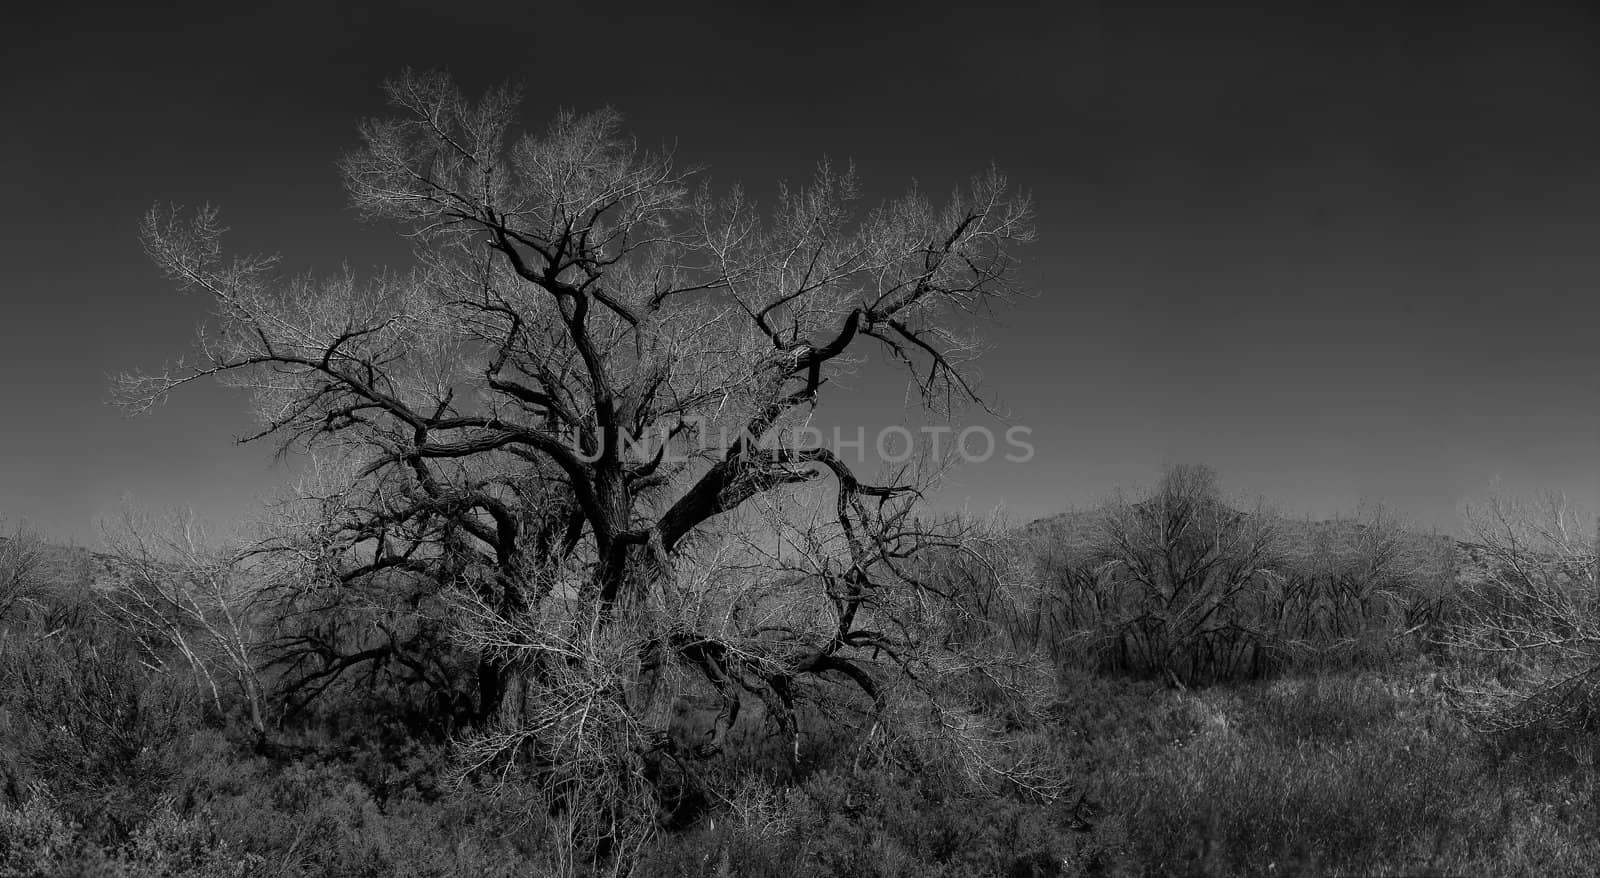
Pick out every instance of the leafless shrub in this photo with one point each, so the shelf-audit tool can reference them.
(1354, 591)
(567, 724)
(1528, 625)
(1167, 583)
(1184, 585)
(27, 574)
(103, 731)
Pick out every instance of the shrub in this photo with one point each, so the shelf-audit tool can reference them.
(107, 735)
(1184, 586)
(34, 837)
(878, 821)
(1528, 628)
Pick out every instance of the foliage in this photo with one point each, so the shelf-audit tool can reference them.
(106, 733)
(1341, 774)
(34, 837)
(872, 822)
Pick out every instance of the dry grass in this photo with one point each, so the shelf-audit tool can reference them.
(1355, 773)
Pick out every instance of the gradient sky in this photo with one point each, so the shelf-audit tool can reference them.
(1336, 253)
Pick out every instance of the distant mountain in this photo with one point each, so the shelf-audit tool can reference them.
(1076, 530)
(74, 566)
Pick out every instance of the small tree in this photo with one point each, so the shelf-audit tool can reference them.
(1357, 589)
(1530, 607)
(177, 592)
(1170, 581)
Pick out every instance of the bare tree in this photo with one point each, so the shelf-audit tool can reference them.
(25, 575)
(1169, 582)
(530, 417)
(178, 591)
(1530, 608)
(1357, 589)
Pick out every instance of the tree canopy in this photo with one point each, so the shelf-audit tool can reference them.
(476, 421)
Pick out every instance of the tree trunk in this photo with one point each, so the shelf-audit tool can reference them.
(491, 690)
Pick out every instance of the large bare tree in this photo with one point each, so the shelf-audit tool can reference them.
(560, 415)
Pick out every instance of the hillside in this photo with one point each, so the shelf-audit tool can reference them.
(65, 567)
(1076, 530)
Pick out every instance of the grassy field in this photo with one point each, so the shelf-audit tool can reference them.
(1359, 773)
(1357, 760)
(1351, 773)
(1339, 774)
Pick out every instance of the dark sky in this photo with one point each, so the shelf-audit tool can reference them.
(1336, 253)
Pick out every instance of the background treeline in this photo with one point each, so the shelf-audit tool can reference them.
(1184, 585)
(1174, 683)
